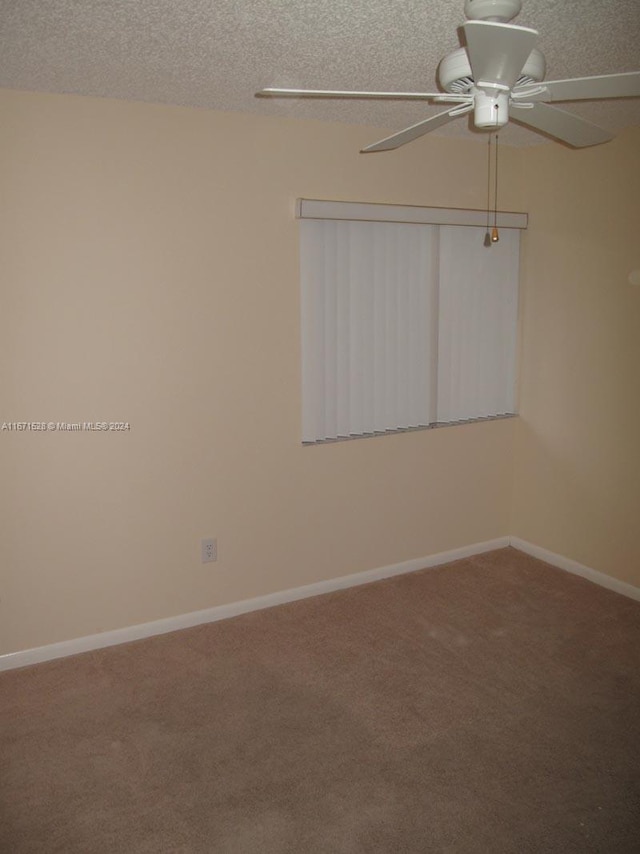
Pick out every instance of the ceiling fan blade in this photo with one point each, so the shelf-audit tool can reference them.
(585, 88)
(562, 125)
(413, 132)
(336, 93)
(498, 52)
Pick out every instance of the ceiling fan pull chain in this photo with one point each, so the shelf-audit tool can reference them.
(487, 237)
(495, 236)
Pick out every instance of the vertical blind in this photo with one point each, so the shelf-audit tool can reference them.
(367, 326)
(478, 315)
(404, 325)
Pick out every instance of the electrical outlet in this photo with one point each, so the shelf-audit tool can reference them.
(209, 550)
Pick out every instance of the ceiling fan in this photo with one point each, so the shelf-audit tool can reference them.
(499, 70)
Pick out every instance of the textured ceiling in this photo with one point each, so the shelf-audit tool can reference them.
(217, 53)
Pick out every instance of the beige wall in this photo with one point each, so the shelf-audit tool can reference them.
(149, 275)
(577, 471)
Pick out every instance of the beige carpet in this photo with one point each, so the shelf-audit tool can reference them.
(492, 705)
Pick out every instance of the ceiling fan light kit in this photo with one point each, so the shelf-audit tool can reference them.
(498, 75)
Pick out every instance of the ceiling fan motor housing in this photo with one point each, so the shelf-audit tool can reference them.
(455, 75)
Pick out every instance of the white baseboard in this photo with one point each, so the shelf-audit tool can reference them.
(576, 568)
(25, 657)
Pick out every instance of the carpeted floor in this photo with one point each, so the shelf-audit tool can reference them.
(491, 705)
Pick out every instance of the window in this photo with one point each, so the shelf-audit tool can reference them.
(406, 322)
